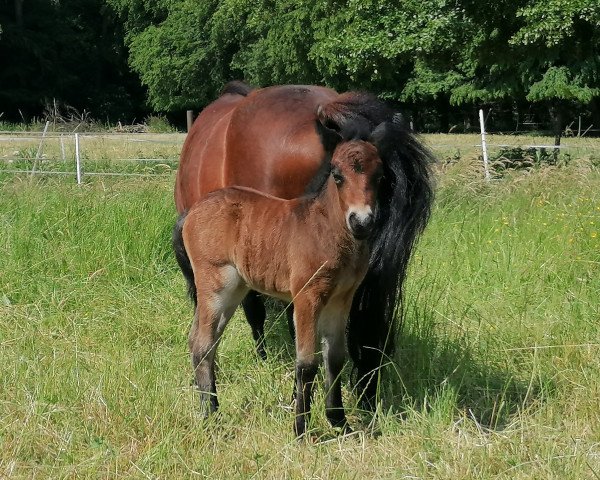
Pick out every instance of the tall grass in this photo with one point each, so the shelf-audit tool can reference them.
(497, 373)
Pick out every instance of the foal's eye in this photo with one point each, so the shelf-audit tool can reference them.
(338, 178)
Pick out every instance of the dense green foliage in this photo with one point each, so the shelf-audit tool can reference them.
(444, 56)
(426, 51)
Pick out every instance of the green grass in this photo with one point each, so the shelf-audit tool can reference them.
(497, 373)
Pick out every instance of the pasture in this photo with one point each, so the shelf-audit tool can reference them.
(496, 375)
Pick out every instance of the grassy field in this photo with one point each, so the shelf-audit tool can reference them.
(112, 153)
(497, 373)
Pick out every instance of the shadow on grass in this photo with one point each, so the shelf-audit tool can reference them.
(431, 367)
(474, 378)
(278, 339)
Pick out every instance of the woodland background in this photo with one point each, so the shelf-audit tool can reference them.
(532, 61)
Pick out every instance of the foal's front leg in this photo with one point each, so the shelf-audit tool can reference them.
(305, 314)
(334, 354)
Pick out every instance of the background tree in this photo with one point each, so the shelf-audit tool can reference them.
(559, 42)
(273, 39)
(439, 59)
(185, 58)
(176, 58)
(69, 50)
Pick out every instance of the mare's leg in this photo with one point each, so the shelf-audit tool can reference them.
(305, 314)
(333, 327)
(289, 312)
(254, 308)
(219, 293)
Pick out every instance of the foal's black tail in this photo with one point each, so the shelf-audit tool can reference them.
(182, 257)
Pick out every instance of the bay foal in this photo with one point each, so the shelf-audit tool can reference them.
(313, 251)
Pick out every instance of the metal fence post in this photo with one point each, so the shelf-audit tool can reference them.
(484, 146)
(39, 150)
(62, 147)
(77, 159)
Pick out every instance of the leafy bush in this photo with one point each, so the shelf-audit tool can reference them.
(518, 158)
(159, 124)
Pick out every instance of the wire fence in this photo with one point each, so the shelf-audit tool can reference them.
(93, 154)
(106, 154)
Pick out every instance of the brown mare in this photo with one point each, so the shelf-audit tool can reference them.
(272, 140)
(312, 250)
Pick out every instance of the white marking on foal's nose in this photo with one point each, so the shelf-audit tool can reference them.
(362, 212)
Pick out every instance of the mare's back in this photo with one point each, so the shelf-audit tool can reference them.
(201, 161)
(266, 140)
(272, 142)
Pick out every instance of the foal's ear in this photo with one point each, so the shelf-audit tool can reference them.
(384, 137)
(329, 131)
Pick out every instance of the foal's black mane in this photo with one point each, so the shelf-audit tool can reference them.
(318, 182)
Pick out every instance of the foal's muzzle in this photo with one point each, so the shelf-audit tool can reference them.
(361, 226)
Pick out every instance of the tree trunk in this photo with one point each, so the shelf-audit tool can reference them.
(595, 107)
(444, 109)
(19, 13)
(466, 121)
(518, 115)
(416, 118)
(557, 120)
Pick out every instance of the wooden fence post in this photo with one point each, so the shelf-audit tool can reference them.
(190, 119)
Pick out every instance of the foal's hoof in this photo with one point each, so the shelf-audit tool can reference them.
(341, 428)
(205, 413)
(208, 407)
(339, 423)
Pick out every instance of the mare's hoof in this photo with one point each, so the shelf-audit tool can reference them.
(262, 353)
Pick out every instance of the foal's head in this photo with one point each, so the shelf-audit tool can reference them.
(357, 170)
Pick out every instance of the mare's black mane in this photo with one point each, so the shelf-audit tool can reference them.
(236, 87)
(404, 204)
(331, 135)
